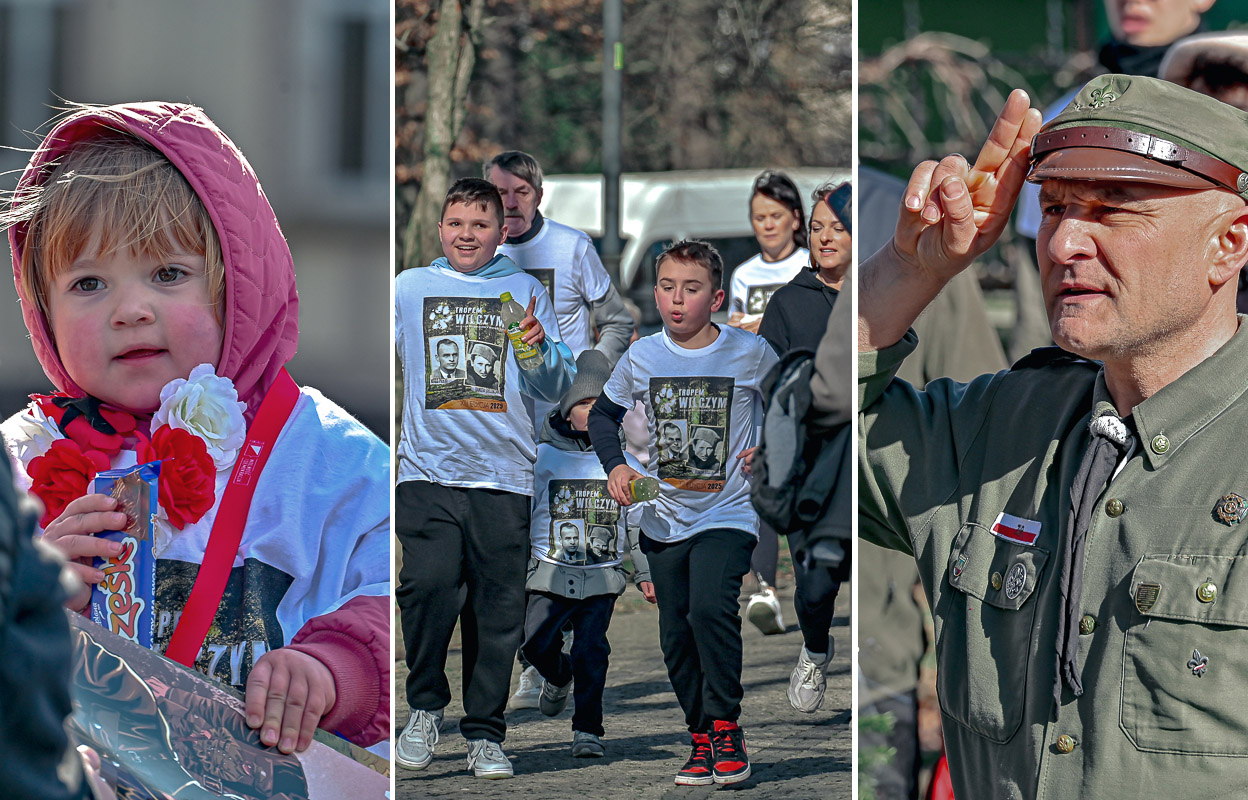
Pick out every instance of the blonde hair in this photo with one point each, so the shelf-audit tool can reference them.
(123, 191)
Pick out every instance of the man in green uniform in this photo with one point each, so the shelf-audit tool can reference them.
(1078, 521)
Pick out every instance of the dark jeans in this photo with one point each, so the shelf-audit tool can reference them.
(586, 669)
(471, 544)
(697, 582)
(815, 601)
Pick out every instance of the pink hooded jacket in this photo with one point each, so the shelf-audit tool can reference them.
(261, 333)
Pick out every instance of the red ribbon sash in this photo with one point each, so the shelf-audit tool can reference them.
(227, 529)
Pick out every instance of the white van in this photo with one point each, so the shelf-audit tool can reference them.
(658, 208)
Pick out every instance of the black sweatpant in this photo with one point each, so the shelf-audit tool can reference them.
(815, 601)
(472, 543)
(586, 669)
(766, 553)
(697, 582)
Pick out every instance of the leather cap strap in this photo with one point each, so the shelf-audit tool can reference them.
(1141, 144)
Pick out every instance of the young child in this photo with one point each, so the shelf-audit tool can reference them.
(704, 380)
(570, 501)
(160, 298)
(465, 474)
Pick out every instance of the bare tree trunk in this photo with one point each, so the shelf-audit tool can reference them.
(451, 56)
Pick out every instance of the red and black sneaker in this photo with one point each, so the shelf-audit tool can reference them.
(697, 770)
(728, 744)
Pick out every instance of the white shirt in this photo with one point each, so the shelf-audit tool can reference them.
(703, 407)
(565, 262)
(470, 432)
(755, 281)
(570, 488)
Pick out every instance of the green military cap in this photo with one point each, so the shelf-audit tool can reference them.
(1132, 128)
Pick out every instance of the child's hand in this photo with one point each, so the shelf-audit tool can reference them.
(647, 591)
(617, 484)
(746, 457)
(73, 534)
(288, 692)
(534, 333)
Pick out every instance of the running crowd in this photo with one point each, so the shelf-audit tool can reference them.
(516, 464)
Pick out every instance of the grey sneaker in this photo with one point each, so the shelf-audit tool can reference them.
(487, 760)
(528, 692)
(414, 749)
(808, 682)
(764, 611)
(554, 698)
(587, 745)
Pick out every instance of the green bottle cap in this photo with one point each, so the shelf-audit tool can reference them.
(505, 297)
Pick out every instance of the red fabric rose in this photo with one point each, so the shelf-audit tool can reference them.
(188, 478)
(62, 475)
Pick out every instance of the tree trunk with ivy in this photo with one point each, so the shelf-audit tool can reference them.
(451, 57)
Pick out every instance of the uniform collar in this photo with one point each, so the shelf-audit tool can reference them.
(1183, 407)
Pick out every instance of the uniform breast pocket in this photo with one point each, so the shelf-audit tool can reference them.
(987, 639)
(1185, 656)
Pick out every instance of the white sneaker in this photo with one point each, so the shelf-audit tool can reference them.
(529, 691)
(414, 749)
(487, 760)
(808, 682)
(764, 611)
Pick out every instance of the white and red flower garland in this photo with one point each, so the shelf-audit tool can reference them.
(197, 432)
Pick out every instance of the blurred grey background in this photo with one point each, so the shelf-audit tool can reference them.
(301, 86)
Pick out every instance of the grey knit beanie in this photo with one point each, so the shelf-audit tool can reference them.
(592, 372)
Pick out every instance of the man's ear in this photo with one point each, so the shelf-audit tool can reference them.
(1230, 249)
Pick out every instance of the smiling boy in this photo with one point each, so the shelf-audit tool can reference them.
(699, 533)
(465, 472)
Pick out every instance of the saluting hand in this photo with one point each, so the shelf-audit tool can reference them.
(952, 211)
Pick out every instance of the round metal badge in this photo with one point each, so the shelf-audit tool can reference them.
(1015, 580)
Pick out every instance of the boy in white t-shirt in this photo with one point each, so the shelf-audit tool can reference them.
(465, 471)
(575, 569)
(699, 383)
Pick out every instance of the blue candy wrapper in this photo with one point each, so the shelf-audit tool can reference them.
(124, 601)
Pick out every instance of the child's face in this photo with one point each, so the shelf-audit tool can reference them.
(578, 415)
(470, 235)
(685, 297)
(126, 325)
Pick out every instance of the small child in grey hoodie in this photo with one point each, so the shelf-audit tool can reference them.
(579, 535)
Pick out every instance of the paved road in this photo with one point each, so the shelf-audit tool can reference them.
(794, 756)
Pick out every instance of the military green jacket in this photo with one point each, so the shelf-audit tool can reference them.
(1164, 630)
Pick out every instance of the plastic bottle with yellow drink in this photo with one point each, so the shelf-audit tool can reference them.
(527, 356)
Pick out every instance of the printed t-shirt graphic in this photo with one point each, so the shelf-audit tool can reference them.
(245, 626)
(465, 359)
(584, 521)
(759, 296)
(692, 417)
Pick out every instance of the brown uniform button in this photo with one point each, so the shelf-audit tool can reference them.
(1087, 624)
(1065, 743)
(1208, 592)
(1114, 507)
(996, 580)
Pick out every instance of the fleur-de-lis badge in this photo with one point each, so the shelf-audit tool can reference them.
(1198, 664)
(1102, 97)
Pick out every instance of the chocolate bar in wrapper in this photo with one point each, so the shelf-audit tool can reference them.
(124, 601)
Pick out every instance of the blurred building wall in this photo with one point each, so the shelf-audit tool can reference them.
(301, 86)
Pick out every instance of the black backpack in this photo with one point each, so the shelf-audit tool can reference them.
(795, 468)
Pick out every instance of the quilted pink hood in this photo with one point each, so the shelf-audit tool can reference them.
(261, 327)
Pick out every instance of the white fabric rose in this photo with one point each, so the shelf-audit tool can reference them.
(35, 434)
(207, 406)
